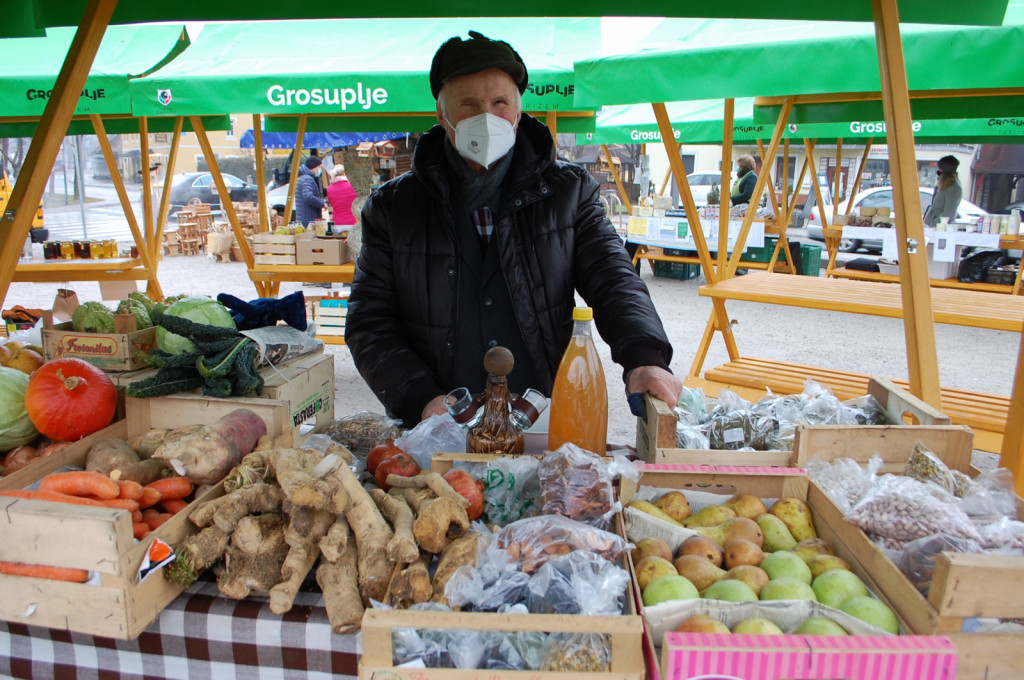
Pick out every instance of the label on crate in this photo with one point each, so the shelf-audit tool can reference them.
(309, 407)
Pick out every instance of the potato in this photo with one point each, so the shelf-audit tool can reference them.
(106, 455)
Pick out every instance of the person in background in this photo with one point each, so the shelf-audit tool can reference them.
(308, 203)
(746, 178)
(485, 243)
(948, 192)
(340, 195)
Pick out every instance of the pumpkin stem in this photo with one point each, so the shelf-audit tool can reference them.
(70, 383)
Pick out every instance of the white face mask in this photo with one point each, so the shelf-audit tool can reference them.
(484, 138)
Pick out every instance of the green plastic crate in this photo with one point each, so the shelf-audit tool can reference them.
(676, 270)
(810, 253)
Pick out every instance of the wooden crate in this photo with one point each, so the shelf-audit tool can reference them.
(330, 315)
(123, 350)
(100, 539)
(678, 651)
(656, 437)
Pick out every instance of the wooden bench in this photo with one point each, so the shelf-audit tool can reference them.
(985, 413)
(657, 254)
(844, 273)
(949, 305)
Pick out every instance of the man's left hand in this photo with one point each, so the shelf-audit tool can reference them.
(655, 381)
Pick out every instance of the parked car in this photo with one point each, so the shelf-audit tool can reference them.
(874, 198)
(1010, 207)
(700, 185)
(199, 187)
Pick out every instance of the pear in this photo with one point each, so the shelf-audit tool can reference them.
(705, 547)
(652, 568)
(702, 623)
(675, 505)
(733, 529)
(741, 551)
(757, 626)
(653, 510)
(746, 505)
(809, 548)
(712, 515)
(796, 516)
(755, 577)
(822, 563)
(700, 572)
(776, 533)
(652, 545)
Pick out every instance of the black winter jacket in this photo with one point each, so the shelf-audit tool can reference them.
(552, 238)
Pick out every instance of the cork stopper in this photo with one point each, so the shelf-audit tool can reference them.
(499, 361)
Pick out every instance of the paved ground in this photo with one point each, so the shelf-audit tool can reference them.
(969, 358)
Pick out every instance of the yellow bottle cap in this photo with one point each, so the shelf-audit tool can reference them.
(582, 314)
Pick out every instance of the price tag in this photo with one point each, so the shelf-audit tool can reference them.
(637, 226)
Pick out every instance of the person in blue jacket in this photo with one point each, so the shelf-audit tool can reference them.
(309, 204)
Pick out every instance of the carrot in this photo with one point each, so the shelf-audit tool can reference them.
(129, 489)
(122, 504)
(174, 505)
(160, 519)
(52, 496)
(44, 571)
(154, 518)
(140, 529)
(171, 488)
(80, 483)
(137, 517)
(149, 498)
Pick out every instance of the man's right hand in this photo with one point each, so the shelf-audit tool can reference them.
(434, 407)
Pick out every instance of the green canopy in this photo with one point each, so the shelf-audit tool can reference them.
(979, 12)
(700, 122)
(351, 66)
(719, 59)
(116, 126)
(19, 20)
(29, 68)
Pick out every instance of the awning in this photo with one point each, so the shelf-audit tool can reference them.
(351, 66)
(316, 140)
(29, 68)
(1003, 160)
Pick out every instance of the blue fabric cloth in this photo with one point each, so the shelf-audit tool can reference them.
(308, 202)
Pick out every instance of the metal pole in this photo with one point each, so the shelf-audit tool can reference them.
(81, 183)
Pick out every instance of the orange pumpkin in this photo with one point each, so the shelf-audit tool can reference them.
(68, 399)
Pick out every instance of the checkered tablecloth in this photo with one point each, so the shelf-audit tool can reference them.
(201, 635)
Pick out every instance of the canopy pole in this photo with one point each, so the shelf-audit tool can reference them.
(148, 228)
(791, 207)
(153, 287)
(918, 323)
(42, 152)
(1012, 451)
(724, 198)
(618, 180)
(261, 171)
(664, 182)
(813, 167)
(225, 196)
(785, 180)
(165, 195)
(675, 163)
(860, 173)
(836, 178)
(293, 176)
(782, 243)
(748, 218)
(552, 120)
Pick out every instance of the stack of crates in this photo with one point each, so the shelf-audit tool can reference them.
(328, 313)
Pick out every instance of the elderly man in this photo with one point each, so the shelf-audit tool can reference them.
(485, 243)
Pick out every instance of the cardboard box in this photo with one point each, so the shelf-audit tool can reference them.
(123, 350)
(329, 251)
(100, 539)
(915, 656)
(656, 436)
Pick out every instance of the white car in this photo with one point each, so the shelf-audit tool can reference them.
(874, 198)
(700, 184)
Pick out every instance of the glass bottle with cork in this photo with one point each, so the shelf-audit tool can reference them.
(579, 398)
(496, 432)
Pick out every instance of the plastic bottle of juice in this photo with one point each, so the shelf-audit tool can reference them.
(579, 398)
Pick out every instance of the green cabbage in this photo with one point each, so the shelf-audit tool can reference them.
(136, 308)
(199, 309)
(15, 426)
(93, 317)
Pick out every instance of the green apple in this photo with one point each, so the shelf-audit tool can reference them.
(787, 588)
(837, 586)
(786, 563)
(820, 625)
(669, 587)
(730, 590)
(875, 612)
(757, 626)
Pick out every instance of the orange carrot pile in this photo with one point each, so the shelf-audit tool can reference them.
(81, 483)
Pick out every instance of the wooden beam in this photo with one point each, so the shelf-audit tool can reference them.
(153, 287)
(724, 197)
(618, 180)
(165, 195)
(922, 357)
(293, 176)
(42, 152)
(552, 121)
(261, 172)
(860, 173)
(1012, 452)
(664, 182)
(675, 162)
(837, 177)
(148, 228)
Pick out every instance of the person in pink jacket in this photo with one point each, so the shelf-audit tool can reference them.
(340, 194)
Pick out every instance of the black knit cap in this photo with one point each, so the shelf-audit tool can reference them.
(458, 57)
(313, 161)
(948, 164)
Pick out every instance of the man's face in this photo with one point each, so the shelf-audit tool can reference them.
(492, 91)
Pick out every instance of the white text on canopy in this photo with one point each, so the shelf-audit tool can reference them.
(344, 97)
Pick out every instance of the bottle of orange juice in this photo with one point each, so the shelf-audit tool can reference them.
(579, 398)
